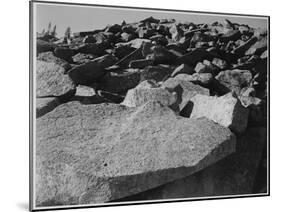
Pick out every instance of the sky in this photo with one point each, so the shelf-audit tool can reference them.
(86, 18)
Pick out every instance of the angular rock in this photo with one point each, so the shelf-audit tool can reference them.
(235, 79)
(122, 51)
(195, 56)
(45, 105)
(81, 58)
(157, 73)
(222, 64)
(135, 55)
(51, 80)
(64, 53)
(92, 48)
(233, 175)
(206, 67)
(44, 46)
(245, 46)
(119, 82)
(182, 69)
(106, 60)
(87, 73)
(149, 91)
(89, 39)
(231, 35)
(140, 63)
(135, 150)
(161, 55)
(82, 90)
(185, 90)
(225, 110)
(259, 47)
(50, 57)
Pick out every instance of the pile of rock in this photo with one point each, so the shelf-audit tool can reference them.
(151, 110)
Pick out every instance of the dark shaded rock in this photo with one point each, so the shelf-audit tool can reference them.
(45, 105)
(199, 37)
(157, 73)
(92, 48)
(106, 60)
(51, 80)
(141, 63)
(122, 51)
(235, 79)
(182, 69)
(161, 55)
(135, 55)
(81, 58)
(144, 32)
(231, 35)
(119, 82)
(87, 73)
(50, 57)
(195, 56)
(115, 28)
(64, 53)
(225, 110)
(150, 20)
(159, 40)
(124, 162)
(89, 39)
(44, 46)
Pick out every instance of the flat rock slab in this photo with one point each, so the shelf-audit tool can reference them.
(225, 110)
(98, 153)
(51, 80)
(233, 175)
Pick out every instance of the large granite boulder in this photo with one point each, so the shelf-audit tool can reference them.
(97, 153)
(51, 80)
(87, 73)
(226, 110)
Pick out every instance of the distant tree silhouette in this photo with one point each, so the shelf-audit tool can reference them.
(67, 32)
(49, 28)
(43, 32)
(54, 33)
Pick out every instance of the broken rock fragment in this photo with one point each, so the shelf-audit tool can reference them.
(225, 110)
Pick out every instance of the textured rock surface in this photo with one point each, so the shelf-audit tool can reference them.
(87, 73)
(225, 110)
(45, 105)
(149, 91)
(125, 142)
(184, 89)
(233, 175)
(51, 80)
(50, 57)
